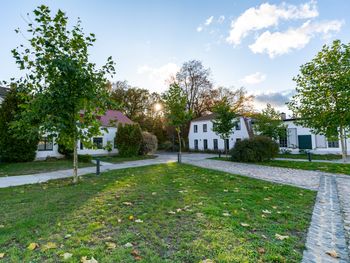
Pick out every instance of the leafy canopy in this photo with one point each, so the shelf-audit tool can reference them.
(68, 92)
(323, 91)
(269, 123)
(224, 120)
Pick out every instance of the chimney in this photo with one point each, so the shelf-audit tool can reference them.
(283, 116)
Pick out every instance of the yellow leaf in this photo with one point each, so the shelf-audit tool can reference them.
(280, 237)
(67, 256)
(332, 253)
(111, 245)
(266, 211)
(2, 255)
(131, 217)
(49, 245)
(33, 246)
(244, 224)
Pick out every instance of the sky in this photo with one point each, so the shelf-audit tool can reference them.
(259, 45)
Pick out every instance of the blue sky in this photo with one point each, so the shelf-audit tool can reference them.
(256, 44)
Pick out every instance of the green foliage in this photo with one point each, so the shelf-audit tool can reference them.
(176, 113)
(149, 143)
(323, 92)
(225, 119)
(128, 140)
(14, 148)
(68, 92)
(256, 149)
(269, 123)
(109, 146)
(85, 158)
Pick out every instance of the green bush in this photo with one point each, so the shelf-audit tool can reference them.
(166, 146)
(149, 143)
(128, 140)
(14, 147)
(256, 149)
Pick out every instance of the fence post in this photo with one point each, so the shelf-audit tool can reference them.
(309, 156)
(97, 166)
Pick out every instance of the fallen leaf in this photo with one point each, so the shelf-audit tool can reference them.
(332, 253)
(127, 245)
(154, 193)
(225, 190)
(131, 217)
(261, 250)
(67, 256)
(86, 260)
(67, 236)
(263, 236)
(280, 237)
(266, 211)
(171, 213)
(111, 245)
(274, 207)
(49, 245)
(2, 255)
(138, 221)
(226, 214)
(244, 224)
(178, 210)
(136, 254)
(33, 246)
(127, 203)
(119, 220)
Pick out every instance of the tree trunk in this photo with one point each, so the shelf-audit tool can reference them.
(179, 137)
(343, 144)
(75, 162)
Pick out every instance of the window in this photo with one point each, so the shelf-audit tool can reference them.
(81, 145)
(205, 144)
(227, 144)
(333, 144)
(45, 144)
(283, 142)
(196, 144)
(205, 128)
(238, 126)
(195, 128)
(215, 143)
(98, 142)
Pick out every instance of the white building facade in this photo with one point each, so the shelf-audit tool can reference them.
(48, 149)
(202, 137)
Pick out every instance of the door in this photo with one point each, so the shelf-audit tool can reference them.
(305, 142)
(227, 144)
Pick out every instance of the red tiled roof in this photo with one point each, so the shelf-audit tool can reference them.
(113, 118)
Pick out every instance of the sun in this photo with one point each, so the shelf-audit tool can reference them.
(158, 107)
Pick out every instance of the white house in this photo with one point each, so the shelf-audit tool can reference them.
(201, 136)
(301, 138)
(47, 148)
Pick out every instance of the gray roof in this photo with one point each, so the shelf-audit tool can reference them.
(207, 117)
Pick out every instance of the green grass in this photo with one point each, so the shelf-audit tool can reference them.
(206, 209)
(340, 168)
(12, 169)
(118, 159)
(313, 156)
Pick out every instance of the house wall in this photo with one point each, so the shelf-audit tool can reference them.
(315, 149)
(107, 136)
(210, 135)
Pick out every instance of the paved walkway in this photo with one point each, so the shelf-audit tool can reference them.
(328, 238)
(313, 160)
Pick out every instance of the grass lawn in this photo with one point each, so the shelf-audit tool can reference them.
(314, 166)
(313, 156)
(11, 169)
(118, 159)
(159, 213)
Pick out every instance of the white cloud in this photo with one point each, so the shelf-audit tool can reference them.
(199, 28)
(279, 43)
(254, 78)
(209, 21)
(159, 76)
(267, 15)
(221, 19)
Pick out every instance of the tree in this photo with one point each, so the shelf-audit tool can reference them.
(224, 120)
(175, 110)
(323, 93)
(128, 139)
(195, 82)
(12, 147)
(269, 123)
(68, 92)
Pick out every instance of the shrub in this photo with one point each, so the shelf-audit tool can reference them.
(85, 158)
(256, 149)
(149, 143)
(166, 146)
(128, 140)
(14, 147)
